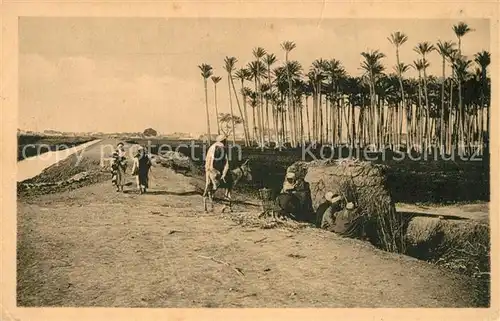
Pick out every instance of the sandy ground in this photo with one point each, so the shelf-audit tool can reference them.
(96, 247)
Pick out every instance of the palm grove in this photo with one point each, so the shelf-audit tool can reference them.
(289, 105)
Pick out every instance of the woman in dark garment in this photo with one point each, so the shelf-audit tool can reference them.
(141, 168)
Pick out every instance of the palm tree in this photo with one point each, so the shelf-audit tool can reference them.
(216, 80)
(401, 69)
(307, 89)
(229, 63)
(483, 59)
(281, 87)
(334, 70)
(445, 49)
(269, 60)
(206, 72)
(433, 112)
(259, 53)
(257, 70)
(352, 88)
(398, 39)
(288, 46)
(420, 65)
(460, 29)
(294, 70)
(244, 74)
(316, 76)
(253, 100)
(424, 48)
(265, 90)
(461, 66)
(246, 93)
(373, 68)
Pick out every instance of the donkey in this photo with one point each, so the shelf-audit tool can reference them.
(232, 178)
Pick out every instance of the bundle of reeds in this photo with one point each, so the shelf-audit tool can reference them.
(365, 184)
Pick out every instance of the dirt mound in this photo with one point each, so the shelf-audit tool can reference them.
(364, 184)
(459, 245)
(178, 162)
(67, 174)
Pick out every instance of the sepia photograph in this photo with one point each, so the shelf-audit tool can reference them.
(265, 162)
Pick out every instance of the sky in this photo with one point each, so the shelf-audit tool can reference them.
(128, 74)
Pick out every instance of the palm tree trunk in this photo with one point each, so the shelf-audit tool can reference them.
(261, 115)
(255, 139)
(353, 135)
(246, 120)
(285, 127)
(257, 111)
(451, 120)
(230, 80)
(321, 118)
(216, 110)
(209, 139)
(314, 113)
(231, 108)
(441, 126)
(291, 125)
(328, 118)
(301, 126)
(361, 132)
(427, 110)
(419, 113)
(268, 132)
(403, 105)
(307, 119)
(348, 123)
(341, 111)
(462, 121)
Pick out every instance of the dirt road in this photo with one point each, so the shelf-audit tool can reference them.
(96, 247)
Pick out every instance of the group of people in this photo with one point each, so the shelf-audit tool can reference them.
(216, 164)
(335, 213)
(141, 168)
(294, 200)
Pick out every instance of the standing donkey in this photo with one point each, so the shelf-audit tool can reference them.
(232, 178)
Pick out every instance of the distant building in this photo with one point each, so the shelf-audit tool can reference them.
(50, 132)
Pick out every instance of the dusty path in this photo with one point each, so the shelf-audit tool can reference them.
(96, 247)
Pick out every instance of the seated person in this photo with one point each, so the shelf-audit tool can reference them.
(290, 183)
(331, 203)
(287, 201)
(345, 221)
(295, 198)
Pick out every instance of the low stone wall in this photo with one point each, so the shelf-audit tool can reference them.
(177, 162)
